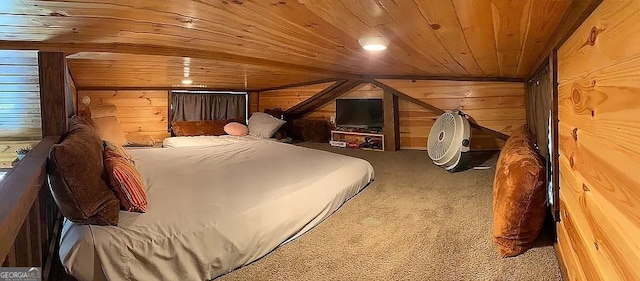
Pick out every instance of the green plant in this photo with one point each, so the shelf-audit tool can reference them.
(23, 150)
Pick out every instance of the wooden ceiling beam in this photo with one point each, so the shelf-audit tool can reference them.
(400, 77)
(447, 78)
(435, 109)
(137, 49)
(295, 85)
(328, 94)
(154, 88)
(576, 14)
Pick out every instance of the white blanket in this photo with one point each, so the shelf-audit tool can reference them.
(214, 209)
(205, 140)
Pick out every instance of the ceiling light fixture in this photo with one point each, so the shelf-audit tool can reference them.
(377, 43)
(186, 71)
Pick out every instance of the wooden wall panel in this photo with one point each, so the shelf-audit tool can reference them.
(140, 112)
(287, 98)
(416, 123)
(564, 248)
(495, 105)
(328, 110)
(19, 95)
(599, 112)
(20, 121)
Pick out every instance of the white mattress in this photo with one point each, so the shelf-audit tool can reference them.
(205, 140)
(214, 209)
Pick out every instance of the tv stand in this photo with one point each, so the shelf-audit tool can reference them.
(365, 139)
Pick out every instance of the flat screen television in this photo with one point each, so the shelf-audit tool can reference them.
(359, 113)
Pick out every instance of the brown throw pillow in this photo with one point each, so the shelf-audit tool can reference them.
(519, 196)
(75, 170)
(200, 128)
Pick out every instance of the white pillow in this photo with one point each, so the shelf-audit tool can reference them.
(263, 125)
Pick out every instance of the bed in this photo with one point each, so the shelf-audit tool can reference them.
(212, 209)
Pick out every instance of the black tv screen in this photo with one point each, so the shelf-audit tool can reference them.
(359, 113)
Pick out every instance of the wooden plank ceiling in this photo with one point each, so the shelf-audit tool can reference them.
(104, 70)
(269, 43)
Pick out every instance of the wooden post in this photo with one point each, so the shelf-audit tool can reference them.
(54, 79)
(254, 102)
(391, 126)
(53, 74)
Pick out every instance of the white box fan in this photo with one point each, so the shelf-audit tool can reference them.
(448, 143)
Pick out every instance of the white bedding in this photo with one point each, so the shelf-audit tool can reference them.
(213, 209)
(205, 140)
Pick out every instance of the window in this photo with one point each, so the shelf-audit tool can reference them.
(205, 105)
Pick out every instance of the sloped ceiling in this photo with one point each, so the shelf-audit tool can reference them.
(266, 43)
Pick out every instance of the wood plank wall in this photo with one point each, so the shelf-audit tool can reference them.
(328, 110)
(286, 98)
(497, 105)
(19, 103)
(599, 131)
(289, 97)
(140, 112)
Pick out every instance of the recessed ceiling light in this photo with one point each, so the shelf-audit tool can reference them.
(187, 81)
(377, 43)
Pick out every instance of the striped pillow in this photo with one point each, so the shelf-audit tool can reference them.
(125, 180)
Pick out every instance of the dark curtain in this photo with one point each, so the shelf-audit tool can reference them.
(539, 100)
(195, 107)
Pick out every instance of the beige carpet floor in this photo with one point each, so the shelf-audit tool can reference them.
(414, 222)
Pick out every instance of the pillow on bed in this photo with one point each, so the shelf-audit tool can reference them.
(119, 150)
(200, 128)
(101, 111)
(236, 129)
(278, 113)
(125, 180)
(139, 140)
(109, 129)
(263, 125)
(75, 172)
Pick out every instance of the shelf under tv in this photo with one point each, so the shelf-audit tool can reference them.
(350, 139)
